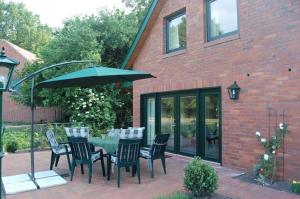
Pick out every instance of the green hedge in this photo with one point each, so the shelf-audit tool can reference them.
(22, 135)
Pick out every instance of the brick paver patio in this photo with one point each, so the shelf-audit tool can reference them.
(101, 188)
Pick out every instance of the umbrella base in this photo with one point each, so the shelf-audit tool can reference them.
(25, 182)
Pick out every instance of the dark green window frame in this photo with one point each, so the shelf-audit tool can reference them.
(168, 19)
(208, 19)
(200, 94)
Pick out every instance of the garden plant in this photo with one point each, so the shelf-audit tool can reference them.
(265, 169)
(200, 179)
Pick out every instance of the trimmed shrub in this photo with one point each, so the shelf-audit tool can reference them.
(295, 187)
(12, 146)
(200, 179)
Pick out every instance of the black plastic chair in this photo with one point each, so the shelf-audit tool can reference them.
(82, 154)
(57, 149)
(157, 151)
(128, 154)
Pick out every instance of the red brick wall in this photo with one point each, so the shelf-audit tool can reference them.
(13, 112)
(267, 46)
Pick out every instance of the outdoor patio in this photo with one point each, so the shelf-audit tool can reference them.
(149, 188)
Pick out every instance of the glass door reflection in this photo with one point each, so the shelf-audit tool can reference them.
(188, 109)
(167, 117)
(212, 131)
(150, 120)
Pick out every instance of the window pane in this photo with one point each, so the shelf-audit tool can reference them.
(177, 33)
(223, 17)
(212, 127)
(167, 119)
(188, 111)
(150, 120)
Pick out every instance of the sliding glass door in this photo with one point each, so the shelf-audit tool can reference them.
(192, 118)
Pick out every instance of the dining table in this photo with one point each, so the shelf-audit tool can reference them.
(109, 144)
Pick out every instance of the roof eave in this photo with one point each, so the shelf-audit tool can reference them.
(140, 32)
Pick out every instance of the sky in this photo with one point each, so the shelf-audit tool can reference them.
(54, 12)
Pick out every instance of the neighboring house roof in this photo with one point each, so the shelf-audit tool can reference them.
(28, 56)
(138, 41)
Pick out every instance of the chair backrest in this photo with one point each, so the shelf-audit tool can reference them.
(114, 133)
(80, 149)
(159, 145)
(51, 139)
(139, 132)
(77, 131)
(132, 133)
(128, 151)
(124, 134)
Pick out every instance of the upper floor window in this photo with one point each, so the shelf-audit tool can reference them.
(222, 18)
(176, 32)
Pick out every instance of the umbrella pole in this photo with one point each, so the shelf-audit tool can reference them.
(32, 133)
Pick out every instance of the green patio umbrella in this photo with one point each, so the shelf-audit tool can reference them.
(92, 76)
(89, 77)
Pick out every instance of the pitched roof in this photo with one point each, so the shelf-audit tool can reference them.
(140, 37)
(29, 56)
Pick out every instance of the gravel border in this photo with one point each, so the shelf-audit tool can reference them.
(277, 185)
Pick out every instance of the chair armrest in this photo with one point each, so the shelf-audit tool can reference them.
(165, 143)
(67, 149)
(99, 151)
(66, 143)
(145, 148)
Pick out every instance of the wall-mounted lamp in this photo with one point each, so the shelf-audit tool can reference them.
(234, 91)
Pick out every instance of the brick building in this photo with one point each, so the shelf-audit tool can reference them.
(13, 112)
(196, 49)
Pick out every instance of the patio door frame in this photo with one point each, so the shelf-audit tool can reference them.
(200, 118)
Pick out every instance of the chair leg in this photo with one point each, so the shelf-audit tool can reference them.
(138, 170)
(82, 170)
(102, 164)
(150, 162)
(53, 156)
(90, 172)
(163, 161)
(57, 159)
(133, 171)
(119, 175)
(72, 169)
(108, 166)
(69, 163)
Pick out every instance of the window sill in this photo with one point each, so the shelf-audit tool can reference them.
(172, 54)
(222, 40)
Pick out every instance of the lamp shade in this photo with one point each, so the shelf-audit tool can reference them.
(234, 91)
(7, 66)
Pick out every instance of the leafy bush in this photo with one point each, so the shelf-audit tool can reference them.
(12, 146)
(295, 186)
(89, 107)
(200, 178)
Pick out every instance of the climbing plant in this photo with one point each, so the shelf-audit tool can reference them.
(265, 169)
